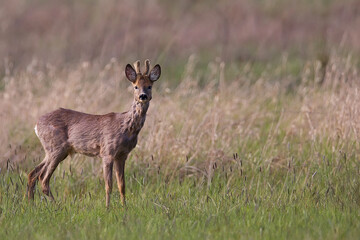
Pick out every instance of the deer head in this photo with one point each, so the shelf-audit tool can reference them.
(142, 82)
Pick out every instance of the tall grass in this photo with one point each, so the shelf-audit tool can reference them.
(226, 152)
(197, 122)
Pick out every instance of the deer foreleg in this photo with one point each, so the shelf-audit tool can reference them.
(108, 165)
(120, 177)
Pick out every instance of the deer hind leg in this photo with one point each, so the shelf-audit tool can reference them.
(120, 177)
(108, 167)
(45, 176)
(33, 177)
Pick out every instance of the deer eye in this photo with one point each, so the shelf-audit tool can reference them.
(136, 87)
(149, 87)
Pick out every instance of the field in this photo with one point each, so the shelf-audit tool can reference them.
(250, 135)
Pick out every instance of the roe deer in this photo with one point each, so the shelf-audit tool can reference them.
(111, 136)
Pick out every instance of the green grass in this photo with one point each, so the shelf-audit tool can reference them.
(250, 198)
(285, 181)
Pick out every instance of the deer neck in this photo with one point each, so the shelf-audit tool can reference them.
(137, 116)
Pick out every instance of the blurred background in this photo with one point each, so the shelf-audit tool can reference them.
(66, 32)
(235, 66)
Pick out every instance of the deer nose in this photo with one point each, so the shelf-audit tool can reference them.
(143, 97)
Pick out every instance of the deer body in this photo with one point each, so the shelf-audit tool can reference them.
(111, 136)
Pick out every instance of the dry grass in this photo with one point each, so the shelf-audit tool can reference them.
(195, 126)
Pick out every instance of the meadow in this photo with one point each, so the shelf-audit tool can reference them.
(241, 141)
(244, 157)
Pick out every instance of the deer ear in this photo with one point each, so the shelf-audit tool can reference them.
(130, 73)
(155, 73)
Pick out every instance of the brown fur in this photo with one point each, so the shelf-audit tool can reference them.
(111, 136)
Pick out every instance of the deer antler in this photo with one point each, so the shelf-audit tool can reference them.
(147, 66)
(137, 67)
